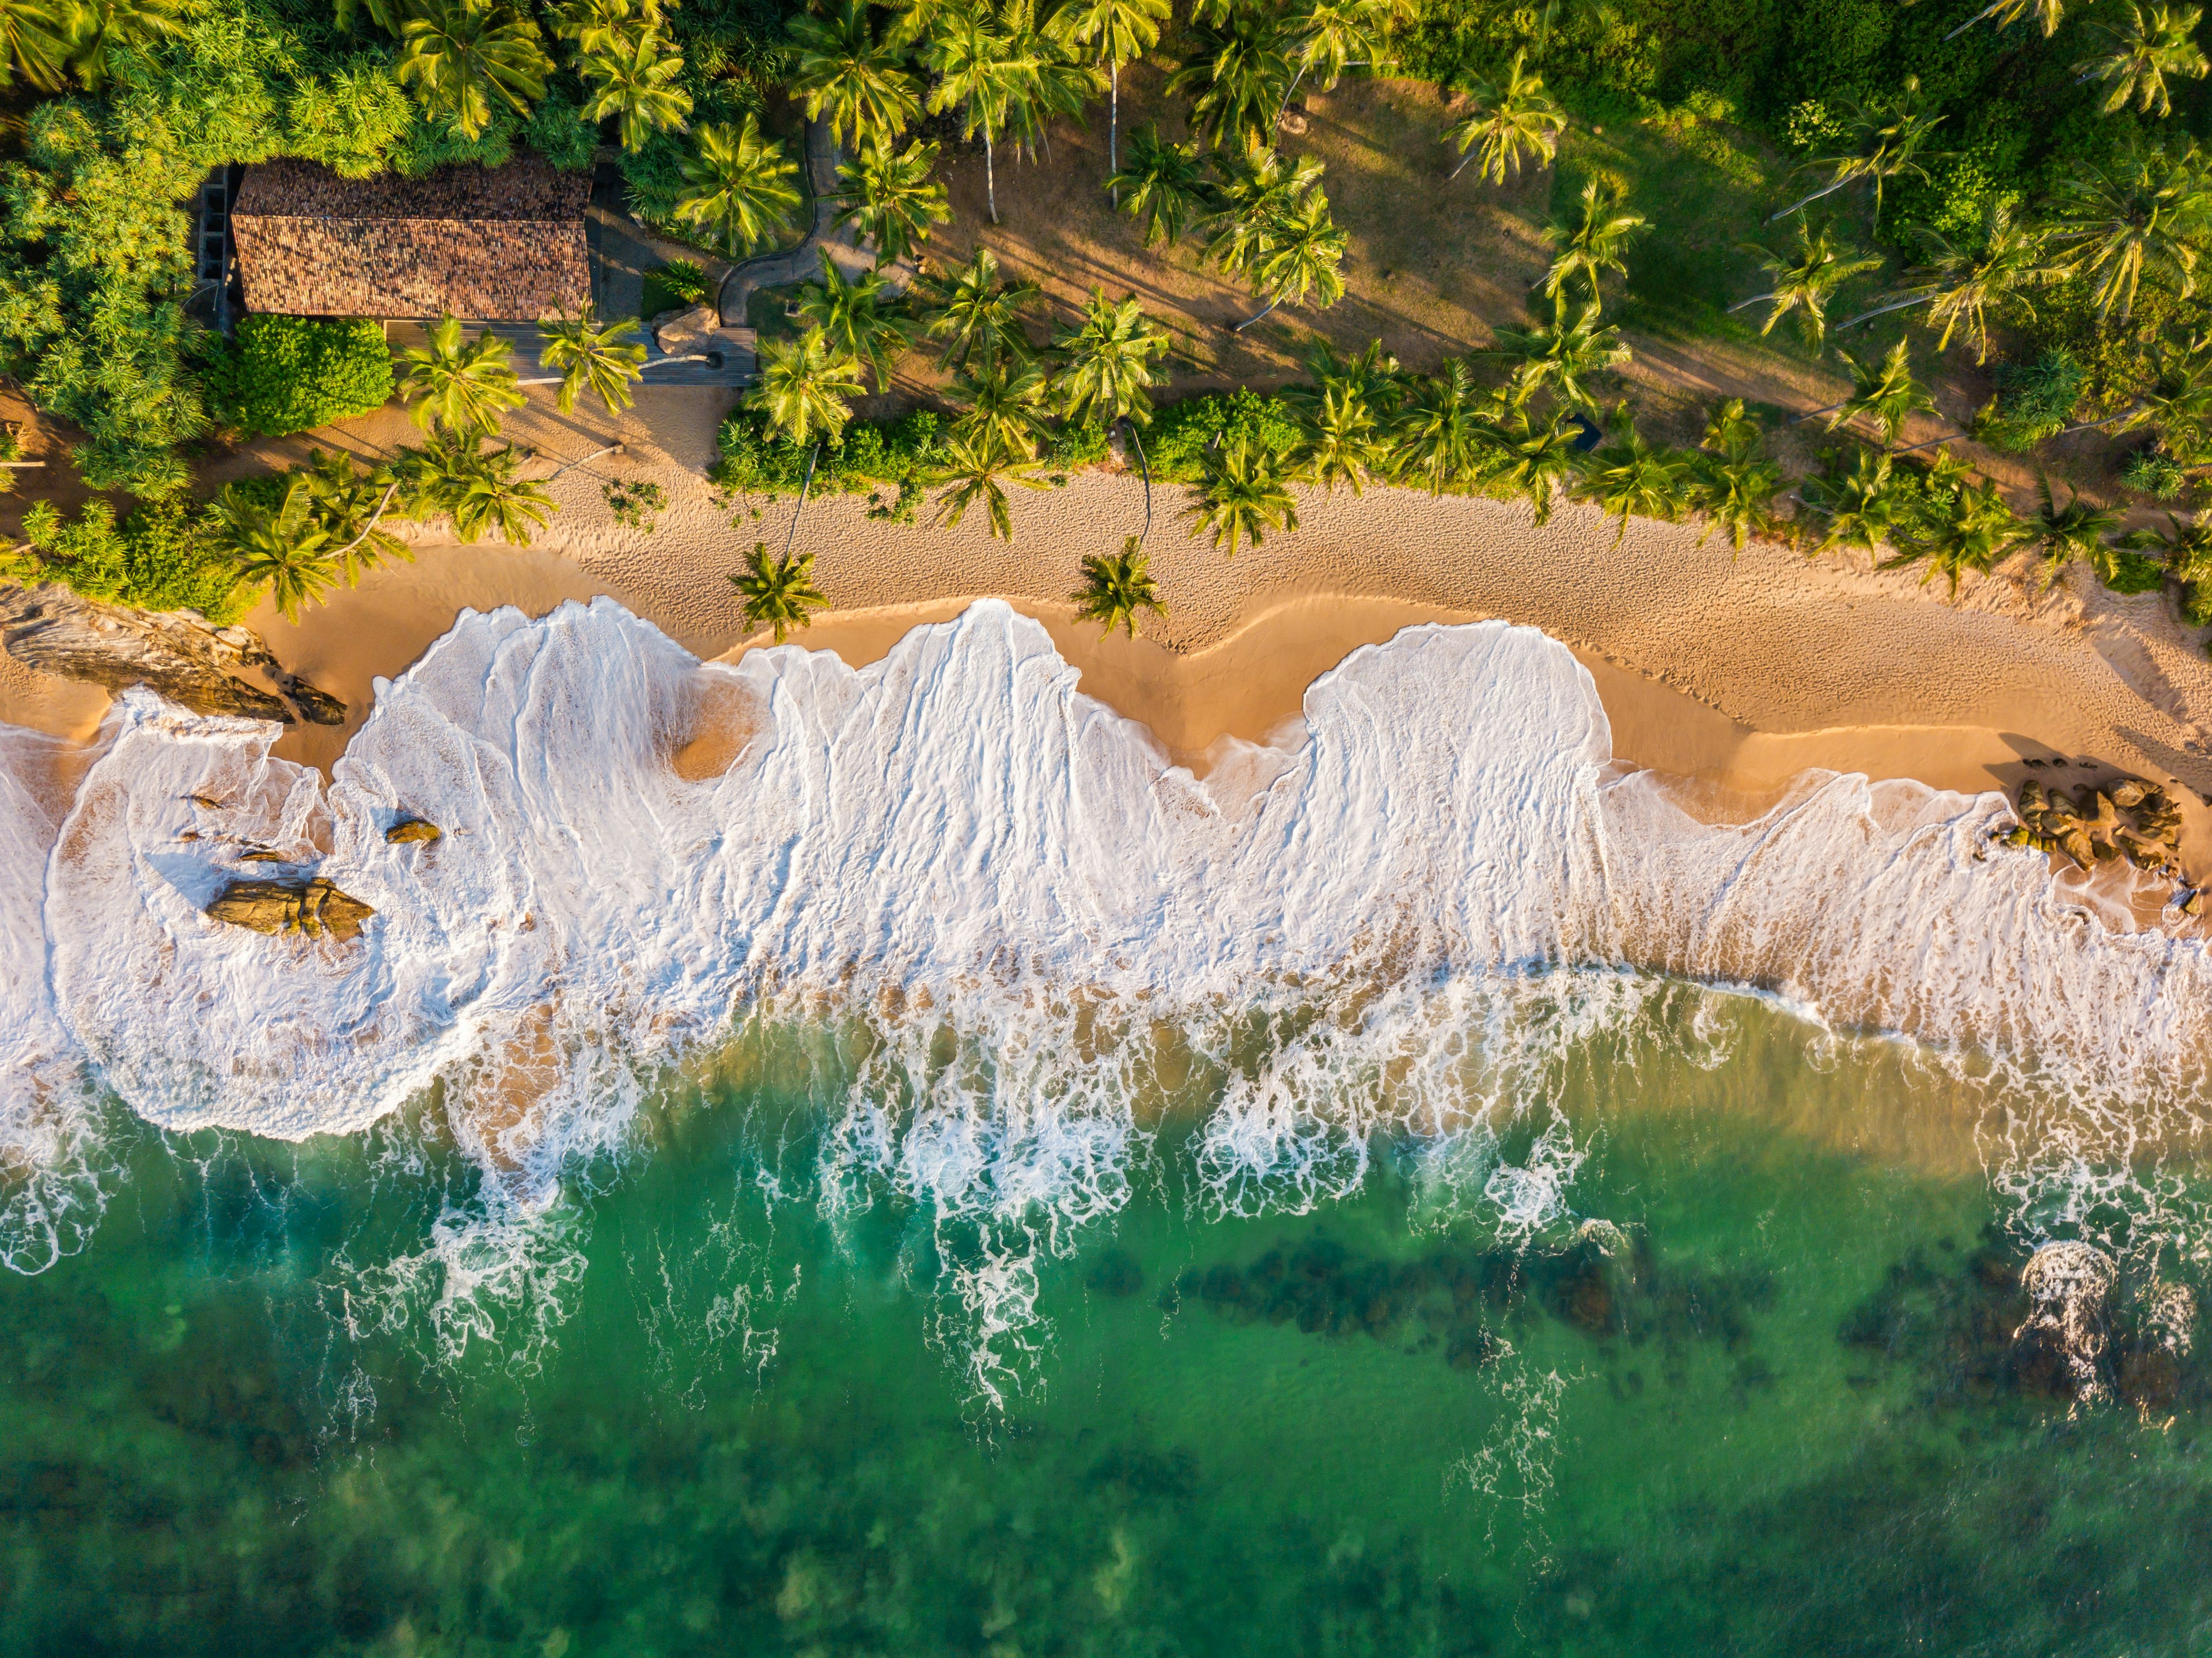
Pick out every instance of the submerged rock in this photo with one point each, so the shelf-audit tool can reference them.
(313, 907)
(177, 655)
(410, 830)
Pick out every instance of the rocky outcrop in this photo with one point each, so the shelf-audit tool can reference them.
(2131, 819)
(314, 907)
(410, 830)
(183, 657)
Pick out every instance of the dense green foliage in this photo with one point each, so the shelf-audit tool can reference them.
(284, 374)
(163, 556)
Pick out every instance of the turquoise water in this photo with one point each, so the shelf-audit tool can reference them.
(1758, 1375)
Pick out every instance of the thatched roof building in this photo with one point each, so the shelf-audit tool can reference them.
(490, 244)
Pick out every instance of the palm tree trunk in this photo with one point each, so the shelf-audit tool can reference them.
(805, 485)
(990, 177)
(1290, 92)
(369, 529)
(614, 448)
(1828, 189)
(1145, 470)
(1256, 315)
(1114, 124)
(1950, 437)
(1968, 24)
(1817, 413)
(1461, 168)
(1883, 311)
(1754, 299)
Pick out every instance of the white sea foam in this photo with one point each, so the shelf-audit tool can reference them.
(1395, 919)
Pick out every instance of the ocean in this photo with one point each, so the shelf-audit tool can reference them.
(954, 1182)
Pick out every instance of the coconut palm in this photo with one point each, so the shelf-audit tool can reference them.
(638, 82)
(1116, 587)
(1241, 496)
(1118, 32)
(1062, 82)
(350, 505)
(99, 37)
(1888, 139)
(1005, 405)
(1108, 360)
(1735, 484)
(34, 43)
(1259, 190)
(2062, 534)
(2005, 13)
(977, 314)
(984, 72)
(851, 76)
(1803, 283)
(465, 57)
(1164, 187)
(1732, 433)
(2179, 402)
(857, 315)
(2138, 55)
(593, 25)
(1374, 374)
(1958, 282)
(779, 593)
(1342, 438)
(477, 489)
(604, 361)
(285, 548)
(980, 471)
(1532, 458)
(1241, 72)
(1333, 36)
(1630, 478)
(1509, 123)
(1300, 256)
(2146, 216)
(1593, 246)
(1438, 439)
(457, 387)
(1885, 392)
(739, 187)
(1861, 506)
(1561, 356)
(2184, 547)
(1972, 529)
(803, 386)
(891, 198)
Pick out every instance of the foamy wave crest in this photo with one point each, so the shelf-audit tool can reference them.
(1397, 922)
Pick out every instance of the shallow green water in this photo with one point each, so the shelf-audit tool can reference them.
(1758, 1391)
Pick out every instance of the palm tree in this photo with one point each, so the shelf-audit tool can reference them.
(593, 25)
(2009, 12)
(802, 384)
(1119, 31)
(1861, 506)
(101, 37)
(980, 471)
(350, 505)
(1438, 438)
(589, 358)
(1300, 255)
(33, 41)
(2184, 547)
(1239, 69)
(981, 68)
(1509, 125)
(1887, 137)
(1561, 356)
(1060, 83)
(1336, 35)
(740, 186)
(1957, 282)
(779, 593)
(858, 81)
(283, 548)
(1594, 246)
(462, 56)
(1116, 587)
(891, 199)
(1342, 437)
(1006, 402)
(1972, 531)
(636, 82)
(1736, 484)
(1108, 354)
(976, 314)
(1531, 459)
(1885, 392)
(856, 315)
(478, 489)
(1803, 285)
(1259, 190)
(2145, 217)
(458, 388)
(1165, 184)
(1631, 477)
(2142, 52)
(2061, 534)
(1241, 496)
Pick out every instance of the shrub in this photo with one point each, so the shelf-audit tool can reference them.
(1180, 434)
(160, 558)
(2126, 571)
(680, 281)
(558, 131)
(756, 461)
(2155, 473)
(2035, 401)
(286, 374)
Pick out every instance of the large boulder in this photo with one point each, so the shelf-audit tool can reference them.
(314, 906)
(679, 333)
(410, 830)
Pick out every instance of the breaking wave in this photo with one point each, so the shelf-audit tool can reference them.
(1034, 933)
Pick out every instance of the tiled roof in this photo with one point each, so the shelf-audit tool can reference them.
(496, 244)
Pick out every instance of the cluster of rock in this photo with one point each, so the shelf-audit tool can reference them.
(2132, 819)
(314, 906)
(183, 657)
